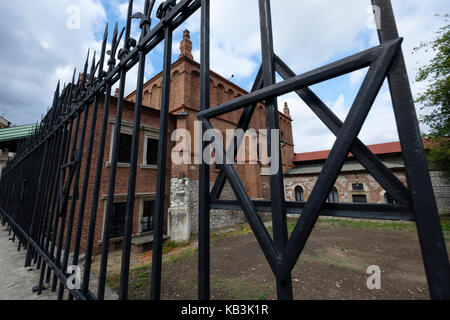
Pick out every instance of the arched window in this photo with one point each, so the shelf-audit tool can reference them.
(334, 196)
(299, 194)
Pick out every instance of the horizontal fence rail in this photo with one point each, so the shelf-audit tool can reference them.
(50, 190)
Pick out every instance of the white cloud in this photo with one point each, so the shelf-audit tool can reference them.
(310, 34)
(309, 132)
(357, 76)
(380, 126)
(39, 49)
(306, 35)
(339, 108)
(416, 23)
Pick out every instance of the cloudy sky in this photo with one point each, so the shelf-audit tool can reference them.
(43, 43)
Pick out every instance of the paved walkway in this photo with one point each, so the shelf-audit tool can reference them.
(17, 282)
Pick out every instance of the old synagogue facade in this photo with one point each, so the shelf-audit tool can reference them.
(354, 185)
(182, 180)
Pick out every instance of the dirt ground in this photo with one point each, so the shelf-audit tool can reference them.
(333, 265)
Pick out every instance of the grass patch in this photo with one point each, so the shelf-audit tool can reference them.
(240, 230)
(445, 223)
(181, 256)
(238, 288)
(379, 225)
(170, 246)
(323, 258)
(370, 225)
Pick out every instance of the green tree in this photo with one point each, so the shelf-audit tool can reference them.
(436, 98)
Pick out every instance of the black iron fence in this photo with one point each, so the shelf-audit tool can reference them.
(44, 189)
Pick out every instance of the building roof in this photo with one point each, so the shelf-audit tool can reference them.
(186, 56)
(349, 166)
(378, 149)
(16, 133)
(4, 123)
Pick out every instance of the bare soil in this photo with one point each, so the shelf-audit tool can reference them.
(333, 265)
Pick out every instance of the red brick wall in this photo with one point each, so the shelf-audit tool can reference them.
(185, 98)
(146, 177)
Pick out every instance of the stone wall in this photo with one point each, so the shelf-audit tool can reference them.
(441, 189)
(184, 209)
(219, 218)
(4, 157)
(372, 190)
(179, 193)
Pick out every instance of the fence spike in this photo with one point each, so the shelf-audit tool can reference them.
(101, 61)
(86, 64)
(92, 72)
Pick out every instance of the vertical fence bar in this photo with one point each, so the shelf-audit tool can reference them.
(67, 131)
(87, 168)
(155, 291)
(53, 201)
(63, 214)
(432, 242)
(32, 166)
(204, 208)
(96, 192)
(280, 234)
(114, 162)
(48, 192)
(126, 250)
(36, 204)
(128, 228)
(27, 215)
(60, 201)
(52, 176)
(76, 185)
(98, 176)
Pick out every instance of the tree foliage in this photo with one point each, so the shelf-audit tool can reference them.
(436, 98)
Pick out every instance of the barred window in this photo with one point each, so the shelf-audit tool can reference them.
(334, 196)
(152, 152)
(299, 194)
(359, 198)
(116, 227)
(358, 187)
(148, 215)
(125, 142)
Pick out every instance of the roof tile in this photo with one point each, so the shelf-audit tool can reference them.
(384, 148)
(16, 133)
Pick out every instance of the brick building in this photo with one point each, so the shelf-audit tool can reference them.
(182, 180)
(181, 210)
(355, 184)
(10, 138)
(4, 123)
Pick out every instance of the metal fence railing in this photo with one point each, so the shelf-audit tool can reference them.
(44, 190)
